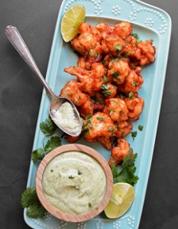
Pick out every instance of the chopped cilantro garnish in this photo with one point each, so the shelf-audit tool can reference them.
(89, 205)
(136, 36)
(100, 118)
(134, 134)
(111, 129)
(131, 95)
(105, 90)
(115, 75)
(134, 84)
(140, 127)
(71, 177)
(118, 48)
(105, 79)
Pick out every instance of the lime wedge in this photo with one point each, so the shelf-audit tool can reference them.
(71, 21)
(122, 198)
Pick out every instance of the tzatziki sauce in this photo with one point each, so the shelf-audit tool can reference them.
(74, 182)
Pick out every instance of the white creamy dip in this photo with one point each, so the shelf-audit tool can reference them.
(74, 182)
(65, 118)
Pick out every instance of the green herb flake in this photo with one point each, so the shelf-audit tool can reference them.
(89, 205)
(118, 48)
(134, 134)
(100, 118)
(131, 95)
(140, 127)
(71, 177)
(134, 84)
(105, 79)
(126, 171)
(111, 111)
(136, 36)
(105, 90)
(111, 129)
(115, 75)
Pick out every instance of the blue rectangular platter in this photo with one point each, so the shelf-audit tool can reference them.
(150, 23)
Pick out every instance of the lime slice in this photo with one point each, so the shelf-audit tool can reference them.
(71, 22)
(122, 198)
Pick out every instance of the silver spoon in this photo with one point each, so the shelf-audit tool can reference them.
(18, 43)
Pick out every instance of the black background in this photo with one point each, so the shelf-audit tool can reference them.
(20, 96)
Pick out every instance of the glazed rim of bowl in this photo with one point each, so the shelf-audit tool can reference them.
(59, 213)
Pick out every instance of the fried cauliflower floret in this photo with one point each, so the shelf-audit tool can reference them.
(84, 63)
(72, 91)
(135, 107)
(91, 80)
(147, 52)
(106, 142)
(123, 29)
(109, 90)
(119, 152)
(118, 70)
(142, 52)
(99, 125)
(87, 108)
(116, 108)
(87, 43)
(123, 129)
(112, 44)
(133, 83)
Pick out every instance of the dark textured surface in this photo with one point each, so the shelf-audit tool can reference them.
(19, 103)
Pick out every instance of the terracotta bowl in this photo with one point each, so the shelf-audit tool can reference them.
(55, 211)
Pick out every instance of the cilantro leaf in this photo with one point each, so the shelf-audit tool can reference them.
(126, 171)
(30, 201)
(36, 211)
(134, 134)
(105, 79)
(136, 36)
(100, 118)
(134, 84)
(38, 154)
(52, 143)
(28, 197)
(105, 90)
(115, 75)
(131, 95)
(140, 127)
(118, 47)
(48, 127)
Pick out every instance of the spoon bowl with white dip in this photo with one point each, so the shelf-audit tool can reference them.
(62, 111)
(74, 183)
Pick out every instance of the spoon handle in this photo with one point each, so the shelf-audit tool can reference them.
(13, 35)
